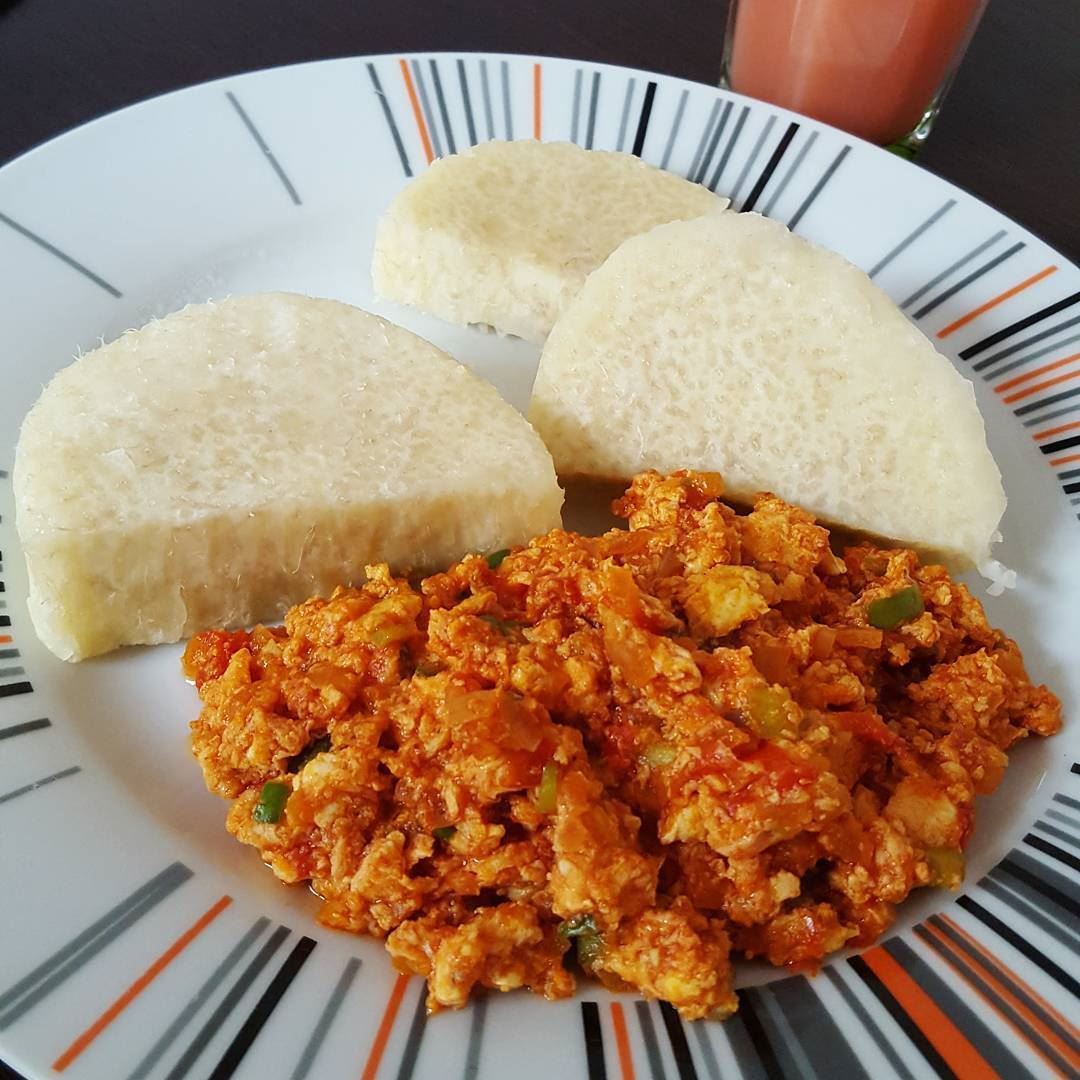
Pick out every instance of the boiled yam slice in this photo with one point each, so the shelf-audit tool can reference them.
(505, 233)
(234, 458)
(730, 344)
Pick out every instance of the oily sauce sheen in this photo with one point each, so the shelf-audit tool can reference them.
(638, 756)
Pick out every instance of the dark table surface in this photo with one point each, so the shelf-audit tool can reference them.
(1008, 132)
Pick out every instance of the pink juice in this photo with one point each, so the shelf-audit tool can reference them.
(870, 67)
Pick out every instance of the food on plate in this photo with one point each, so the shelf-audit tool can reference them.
(637, 756)
(234, 458)
(730, 344)
(505, 233)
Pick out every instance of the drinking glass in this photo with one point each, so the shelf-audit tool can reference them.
(876, 68)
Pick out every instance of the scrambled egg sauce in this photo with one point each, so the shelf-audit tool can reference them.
(634, 755)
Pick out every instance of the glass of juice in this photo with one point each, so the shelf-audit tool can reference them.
(876, 68)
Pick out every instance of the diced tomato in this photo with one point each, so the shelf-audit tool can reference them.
(848, 840)
(622, 594)
(821, 642)
(858, 637)
(620, 746)
(868, 726)
(714, 757)
(773, 659)
(702, 488)
(208, 654)
(631, 654)
(785, 770)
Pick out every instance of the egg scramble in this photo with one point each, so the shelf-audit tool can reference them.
(635, 757)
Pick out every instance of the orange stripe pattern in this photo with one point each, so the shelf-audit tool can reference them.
(939, 1030)
(999, 299)
(536, 101)
(140, 984)
(414, 101)
(998, 966)
(382, 1036)
(1067, 460)
(622, 1042)
(958, 961)
(5, 639)
(1040, 435)
(1036, 372)
(1046, 384)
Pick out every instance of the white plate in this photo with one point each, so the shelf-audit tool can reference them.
(138, 939)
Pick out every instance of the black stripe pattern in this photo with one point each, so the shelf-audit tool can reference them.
(391, 123)
(485, 86)
(36, 785)
(984, 987)
(594, 101)
(425, 106)
(680, 1048)
(643, 119)
(910, 239)
(1006, 332)
(770, 167)
(818, 188)
(261, 143)
(751, 159)
(229, 1002)
(717, 145)
(749, 1020)
(1058, 445)
(950, 269)
(675, 125)
(648, 1036)
(1027, 903)
(466, 101)
(214, 982)
(1026, 359)
(71, 958)
(964, 282)
(479, 1009)
(709, 138)
(25, 728)
(53, 250)
(958, 1010)
(326, 1020)
(415, 1036)
(624, 117)
(1018, 346)
(903, 1021)
(729, 148)
(264, 1007)
(881, 1040)
(594, 1040)
(802, 1020)
(508, 116)
(451, 145)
